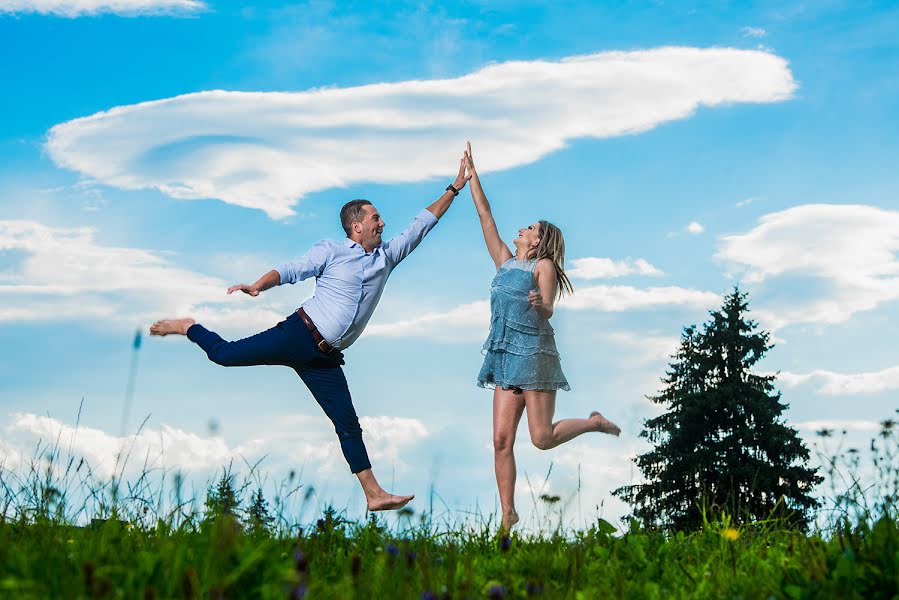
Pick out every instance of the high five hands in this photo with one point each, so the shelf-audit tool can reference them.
(464, 172)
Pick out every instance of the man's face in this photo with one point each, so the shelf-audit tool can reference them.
(370, 228)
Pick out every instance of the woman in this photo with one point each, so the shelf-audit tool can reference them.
(521, 362)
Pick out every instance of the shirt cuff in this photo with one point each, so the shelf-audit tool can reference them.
(427, 217)
(283, 271)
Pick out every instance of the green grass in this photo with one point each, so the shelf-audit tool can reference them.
(333, 559)
(64, 533)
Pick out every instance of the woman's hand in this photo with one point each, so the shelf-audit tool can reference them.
(246, 289)
(469, 161)
(536, 300)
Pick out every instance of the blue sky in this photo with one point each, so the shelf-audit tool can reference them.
(156, 151)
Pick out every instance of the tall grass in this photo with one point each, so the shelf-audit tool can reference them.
(66, 533)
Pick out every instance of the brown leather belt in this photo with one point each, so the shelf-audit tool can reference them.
(322, 344)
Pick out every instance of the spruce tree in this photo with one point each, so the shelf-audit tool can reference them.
(722, 445)
(258, 518)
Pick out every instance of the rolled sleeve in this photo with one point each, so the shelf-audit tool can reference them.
(310, 265)
(399, 247)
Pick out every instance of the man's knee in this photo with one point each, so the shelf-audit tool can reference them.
(348, 430)
(221, 354)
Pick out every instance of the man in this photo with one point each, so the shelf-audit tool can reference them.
(349, 277)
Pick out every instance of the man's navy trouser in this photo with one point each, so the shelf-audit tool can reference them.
(289, 343)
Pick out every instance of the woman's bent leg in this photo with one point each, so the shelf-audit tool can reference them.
(507, 410)
(541, 406)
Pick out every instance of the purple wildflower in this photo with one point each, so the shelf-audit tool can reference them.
(392, 550)
(497, 591)
(298, 592)
(300, 561)
(505, 543)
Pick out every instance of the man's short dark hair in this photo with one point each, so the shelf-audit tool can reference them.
(352, 212)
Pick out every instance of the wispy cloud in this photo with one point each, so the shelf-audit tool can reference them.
(80, 8)
(845, 384)
(267, 150)
(470, 321)
(841, 256)
(619, 298)
(59, 273)
(754, 32)
(606, 268)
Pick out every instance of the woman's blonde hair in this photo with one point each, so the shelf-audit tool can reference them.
(552, 246)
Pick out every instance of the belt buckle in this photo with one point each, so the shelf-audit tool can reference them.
(325, 347)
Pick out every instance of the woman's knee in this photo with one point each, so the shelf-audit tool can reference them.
(542, 440)
(503, 442)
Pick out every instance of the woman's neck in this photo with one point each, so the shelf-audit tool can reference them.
(521, 254)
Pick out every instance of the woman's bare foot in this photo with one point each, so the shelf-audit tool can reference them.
(603, 425)
(170, 326)
(388, 502)
(510, 518)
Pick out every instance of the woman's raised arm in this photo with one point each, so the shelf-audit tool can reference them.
(498, 250)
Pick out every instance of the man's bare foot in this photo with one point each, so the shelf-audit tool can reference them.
(603, 425)
(510, 518)
(388, 502)
(170, 326)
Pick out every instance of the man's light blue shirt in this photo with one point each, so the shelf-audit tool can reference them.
(349, 280)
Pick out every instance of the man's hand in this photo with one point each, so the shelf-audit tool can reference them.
(246, 289)
(463, 176)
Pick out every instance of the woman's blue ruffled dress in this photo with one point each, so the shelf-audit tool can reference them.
(520, 351)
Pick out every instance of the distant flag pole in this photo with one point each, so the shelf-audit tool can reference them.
(132, 379)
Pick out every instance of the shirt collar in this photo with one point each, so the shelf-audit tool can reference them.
(351, 244)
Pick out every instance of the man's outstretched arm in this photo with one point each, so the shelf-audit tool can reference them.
(269, 280)
(442, 204)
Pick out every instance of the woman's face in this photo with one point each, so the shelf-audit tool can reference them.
(528, 236)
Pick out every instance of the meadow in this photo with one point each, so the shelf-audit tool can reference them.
(65, 534)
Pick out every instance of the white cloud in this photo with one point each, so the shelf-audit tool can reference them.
(78, 8)
(845, 384)
(56, 273)
(695, 228)
(166, 446)
(754, 32)
(745, 202)
(647, 348)
(838, 425)
(842, 259)
(267, 150)
(619, 298)
(386, 438)
(606, 268)
(288, 440)
(465, 322)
